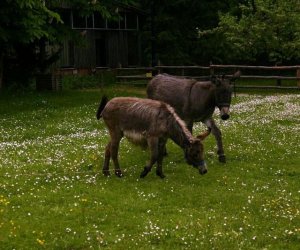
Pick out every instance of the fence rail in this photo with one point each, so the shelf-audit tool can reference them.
(255, 67)
(207, 71)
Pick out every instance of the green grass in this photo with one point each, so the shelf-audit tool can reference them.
(96, 80)
(265, 82)
(53, 195)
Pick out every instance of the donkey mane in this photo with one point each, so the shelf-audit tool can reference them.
(167, 77)
(206, 85)
(178, 130)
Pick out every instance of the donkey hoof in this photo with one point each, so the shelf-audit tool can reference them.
(145, 172)
(160, 174)
(118, 173)
(222, 158)
(106, 172)
(203, 171)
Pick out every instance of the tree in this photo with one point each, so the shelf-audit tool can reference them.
(27, 26)
(240, 31)
(22, 23)
(264, 31)
(176, 29)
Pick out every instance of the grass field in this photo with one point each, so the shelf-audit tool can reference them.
(53, 195)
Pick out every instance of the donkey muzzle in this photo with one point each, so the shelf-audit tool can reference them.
(202, 167)
(224, 113)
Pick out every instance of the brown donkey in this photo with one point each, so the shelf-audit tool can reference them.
(147, 123)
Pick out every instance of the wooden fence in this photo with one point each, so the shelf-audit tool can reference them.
(266, 73)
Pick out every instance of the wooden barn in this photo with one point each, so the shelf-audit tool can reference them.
(106, 43)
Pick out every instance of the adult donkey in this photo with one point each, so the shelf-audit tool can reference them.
(196, 101)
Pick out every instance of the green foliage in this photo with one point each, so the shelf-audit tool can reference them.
(235, 31)
(24, 21)
(265, 31)
(53, 196)
(176, 27)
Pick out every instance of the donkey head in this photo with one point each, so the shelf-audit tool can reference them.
(194, 153)
(223, 93)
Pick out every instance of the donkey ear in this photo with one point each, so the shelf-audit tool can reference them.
(219, 81)
(236, 75)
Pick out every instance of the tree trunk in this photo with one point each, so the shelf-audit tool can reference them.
(298, 75)
(253, 6)
(1, 69)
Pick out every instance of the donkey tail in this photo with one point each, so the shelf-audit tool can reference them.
(102, 104)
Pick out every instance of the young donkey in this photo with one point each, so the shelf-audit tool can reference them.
(147, 123)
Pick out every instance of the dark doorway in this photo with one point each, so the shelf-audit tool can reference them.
(100, 52)
(133, 49)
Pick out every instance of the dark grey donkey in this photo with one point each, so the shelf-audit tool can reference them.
(147, 123)
(195, 101)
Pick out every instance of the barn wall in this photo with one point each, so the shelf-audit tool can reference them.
(109, 48)
(117, 49)
(105, 44)
(85, 55)
(134, 49)
(67, 54)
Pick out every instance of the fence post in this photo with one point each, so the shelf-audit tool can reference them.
(159, 69)
(211, 69)
(1, 69)
(278, 82)
(298, 75)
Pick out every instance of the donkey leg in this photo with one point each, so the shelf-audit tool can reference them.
(153, 147)
(164, 150)
(210, 123)
(105, 169)
(115, 142)
(161, 147)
